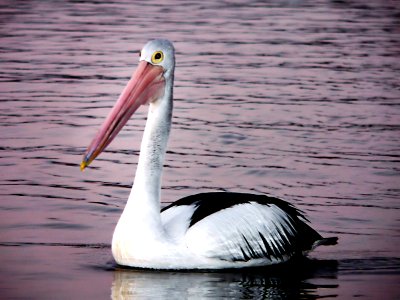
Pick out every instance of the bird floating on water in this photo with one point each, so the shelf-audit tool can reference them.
(203, 231)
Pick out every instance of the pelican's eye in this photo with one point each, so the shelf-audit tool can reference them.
(157, 57)
(140, 53)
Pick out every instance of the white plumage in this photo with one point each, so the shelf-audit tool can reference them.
(234, 232)
(203, 231)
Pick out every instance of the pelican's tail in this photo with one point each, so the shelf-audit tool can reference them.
(330, 241)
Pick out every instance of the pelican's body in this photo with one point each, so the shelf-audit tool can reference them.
(204, 231)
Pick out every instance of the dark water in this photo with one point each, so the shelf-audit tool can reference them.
(298, 99)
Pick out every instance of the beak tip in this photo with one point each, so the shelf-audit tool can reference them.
(84, 164)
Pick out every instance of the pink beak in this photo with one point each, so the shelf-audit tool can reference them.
(146, 85)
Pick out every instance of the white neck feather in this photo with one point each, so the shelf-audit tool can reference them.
(147, 184)
(141, 215)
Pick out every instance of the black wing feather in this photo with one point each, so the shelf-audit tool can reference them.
(289, 244)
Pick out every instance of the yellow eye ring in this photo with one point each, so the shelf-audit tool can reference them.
(157, 57)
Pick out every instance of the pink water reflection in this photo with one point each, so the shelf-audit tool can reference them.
(292, 99)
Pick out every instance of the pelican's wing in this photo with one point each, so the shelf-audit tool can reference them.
(240, 227)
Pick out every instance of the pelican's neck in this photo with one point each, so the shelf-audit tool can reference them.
(139, 227)
(144, 199)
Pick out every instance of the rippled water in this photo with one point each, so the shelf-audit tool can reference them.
(298, 99)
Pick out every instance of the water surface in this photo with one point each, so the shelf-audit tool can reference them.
(297, 99)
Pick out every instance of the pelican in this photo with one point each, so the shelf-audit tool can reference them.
(216, 230)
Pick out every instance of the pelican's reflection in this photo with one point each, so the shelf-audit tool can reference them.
(285, 282)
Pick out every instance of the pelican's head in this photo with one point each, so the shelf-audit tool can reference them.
(159, 53)
(147, 85)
